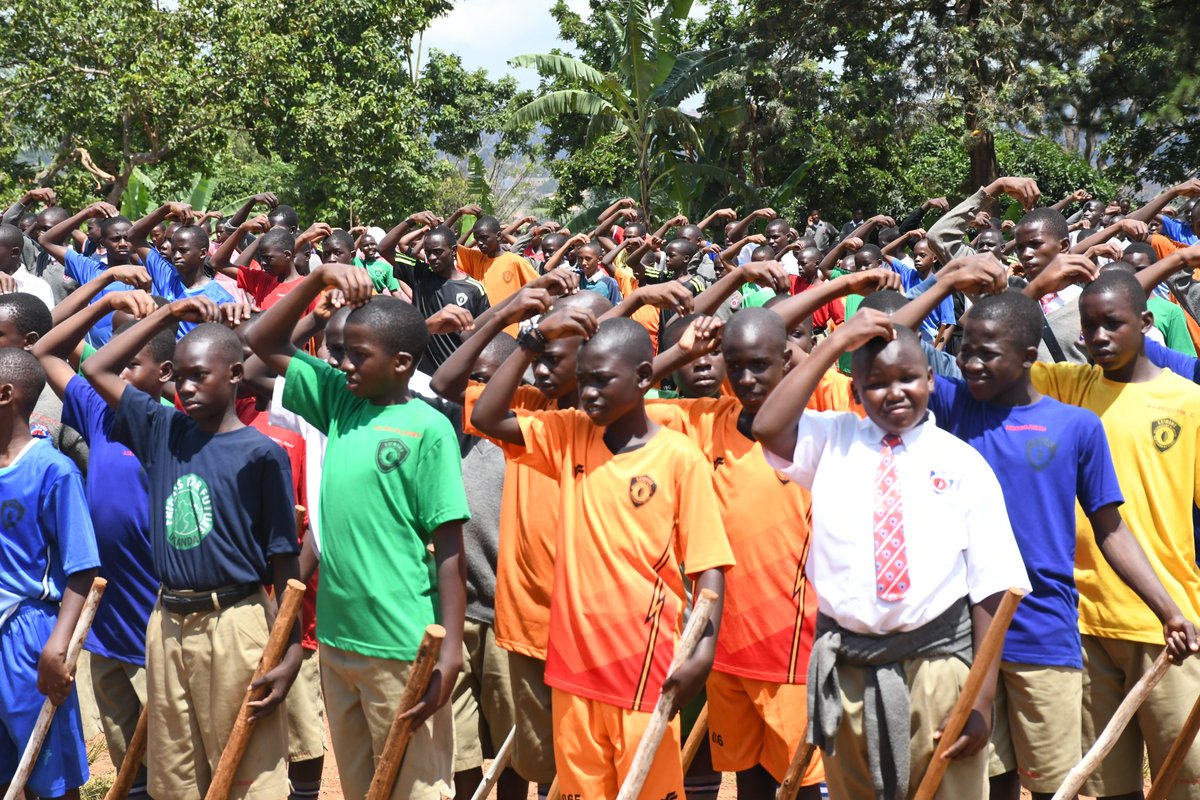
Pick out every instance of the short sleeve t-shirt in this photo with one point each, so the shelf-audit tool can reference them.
(631, 525)
(1045, 455)
(383, 277)
(501, 276)
(83, 269)
(263, 287)
(168, 284)
(119, 502)
(221, 504)
(45, 530)
(432, 293)
(392, 475)
(770, 608)
(1153, 429)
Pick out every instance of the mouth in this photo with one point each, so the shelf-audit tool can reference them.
(704, 381)
(897, 411)
(546, 387)
(593, 410)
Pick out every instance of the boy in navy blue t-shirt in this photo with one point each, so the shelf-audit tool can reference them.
(47, 562)
(221, 525)
(119, 505)
(1046, 454)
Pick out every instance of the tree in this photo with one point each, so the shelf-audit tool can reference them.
(636, 97)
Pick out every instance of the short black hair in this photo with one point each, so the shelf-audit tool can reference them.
(1145, 248)
(763, 251)
(589, 246)
(161, 345)
(27, 313)
(691, 230)
(553, 240)
(395, 324)
(283, 216)
(888, 301)
(341, 237)
(10, 236)
(501, 347)
(1118, 282)
(486, 224)
(778, 222)
(671, 335)
(1123, 266)
(636, 229)
(685, 246)
(758, 320)
(22, 369)
(223, 341)
(280, 238)
(195, 233)
(443, 233)
(1020, 317)
(107, 224)
(870, 251)
(1050, 219)
(592, 301)
(905, 337)
(624, 337)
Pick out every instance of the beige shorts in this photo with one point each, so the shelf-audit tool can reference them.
(197, 669)
(306, 712)
(533, 746)
(483, 704)
(1037, 728)
(1110, 669)
(362, 696)
(120, 691)
(933, 687)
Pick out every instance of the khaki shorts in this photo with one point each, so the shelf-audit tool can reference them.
(306, 712)
(933, 687)
(362, 696)
(120, 691)
(483, 704)
(1037, 728)
(533, 746)
(753, 722)
(197, 669)
(1110, 668)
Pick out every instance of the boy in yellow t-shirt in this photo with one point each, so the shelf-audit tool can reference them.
(1152, 419)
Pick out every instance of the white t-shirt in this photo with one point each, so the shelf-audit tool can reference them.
(29, 283)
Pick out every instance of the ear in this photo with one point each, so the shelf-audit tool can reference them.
(8, 394)
(929, 378)
(289, 253)
(787, 358)
(403, 363)
(854, 391)
(645, 376)
(1064, 244)
(1031, 357)
(31, 339)
(165, 371)
(237, 371)
(1147, 321)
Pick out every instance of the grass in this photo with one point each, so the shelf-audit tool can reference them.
(97, 787)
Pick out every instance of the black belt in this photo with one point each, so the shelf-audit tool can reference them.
(189, 602)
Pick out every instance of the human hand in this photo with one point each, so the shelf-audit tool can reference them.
(528, 302)
(755, 239)
(439, 691)
(979, 274)
(882, 221)
(357, 229)
(259, 224)
(1181, 637)
(567, 322)
(137, 304)
(1110, 250)
(315, 232)
(450, 319)
(134, 275)
(424, 218)
(974, 736)
(43, 194)
(1135, 229)
(181, 212)
(353, 282)
(558, 281)
(234, 314)
(873, 280)
(102, 210)
(852, 244)
(1190, 256)
(770, 274)
(940, 203)
(1081, 196)
(982, 220)
(8, 284)
(866, 324)
(1024, 190)
(278, 682)
(703, 336)
(329, 301)
(196, 309)
(1063, 271)
(764, 213)
(1007, 225)
(54, 679)
(627, 202)
(578, 239)
(916, 233)
(474, 210)
(724, 213)
(669, 296)
(687, 680)
(267, 199)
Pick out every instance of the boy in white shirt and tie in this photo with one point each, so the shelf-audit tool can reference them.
(911, 553)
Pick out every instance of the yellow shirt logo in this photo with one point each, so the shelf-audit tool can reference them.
(1165, 432)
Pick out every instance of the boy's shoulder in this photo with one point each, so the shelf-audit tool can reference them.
(43, 458)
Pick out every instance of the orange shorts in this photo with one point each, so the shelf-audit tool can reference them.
(753, 722)
(594, 743)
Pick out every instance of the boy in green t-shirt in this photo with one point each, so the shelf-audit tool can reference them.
(383, 277)
(392, 485)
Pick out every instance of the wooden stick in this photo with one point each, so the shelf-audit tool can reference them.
(695, 738)
(499, 764)
(643, 757)
(1108, 737)
(243, 726)
(1178, 752)
(388, 768)
(40, 728)
(135, 753)
(795, 771)
(988, 653)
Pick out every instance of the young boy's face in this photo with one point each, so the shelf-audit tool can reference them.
(866, 260)
(93, 230)
(702, 377)
(991, 239)
(205, 381)
(589, 260)
(145, 373)
(10, 335)
(991, 360)
(1037, 247)
(117, 242)
(554, 370)
(676, 260)
(810, 260)
(335, 341)
(334, 251)
(158, 233)
(1112, 331)
(609, 386)
(485, 367)
(369, 247)
(188, 256)
(779, 234)
(488, 241)
(755, 368)
(274, 261)
(799, 344)
(894, 385)
(371, 371)
(923, 257)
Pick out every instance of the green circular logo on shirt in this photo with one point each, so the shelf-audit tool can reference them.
(189, 512)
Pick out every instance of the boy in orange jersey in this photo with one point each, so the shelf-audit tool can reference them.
(636, 510)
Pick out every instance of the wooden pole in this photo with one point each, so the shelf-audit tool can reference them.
(795, 771)
(696, 738)
(643, 757)
(1175, 757)
(388, 768)
(499, 764)
(988, 653)
(1108, 737)
(243, 726)
(40, 728)
(135, 753)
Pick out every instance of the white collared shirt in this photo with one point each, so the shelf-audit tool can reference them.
(29, 283)
(956, 528)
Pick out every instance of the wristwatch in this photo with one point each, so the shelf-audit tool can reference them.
(531, 339)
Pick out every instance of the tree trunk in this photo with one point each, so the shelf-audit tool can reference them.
(981, 147)
(119, 186)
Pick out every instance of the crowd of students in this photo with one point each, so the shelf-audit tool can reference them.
(548, 441)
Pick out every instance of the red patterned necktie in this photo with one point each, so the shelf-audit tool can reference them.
(891, 556)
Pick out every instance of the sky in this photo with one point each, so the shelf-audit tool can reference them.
(482, 33)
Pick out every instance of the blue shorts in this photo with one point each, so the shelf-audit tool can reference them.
(62, 763)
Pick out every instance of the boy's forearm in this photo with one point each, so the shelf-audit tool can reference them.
(139, 232)
(452, 594)
(387, 245)
(708, 301)
(1127, 558)
(113, 357)
(271, 337)
(946, 235)
(60, 341)
(285, 568)
(1160, 270)
(982, 614)
(797, 307)
(451, 378)
(775, 423)
(70, 607)
(914, 312)
(78, 300)
(492, 408)
(1099, 237)
(612, 254)
(221, 258)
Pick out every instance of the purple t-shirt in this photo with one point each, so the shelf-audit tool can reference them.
(1045, 455)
